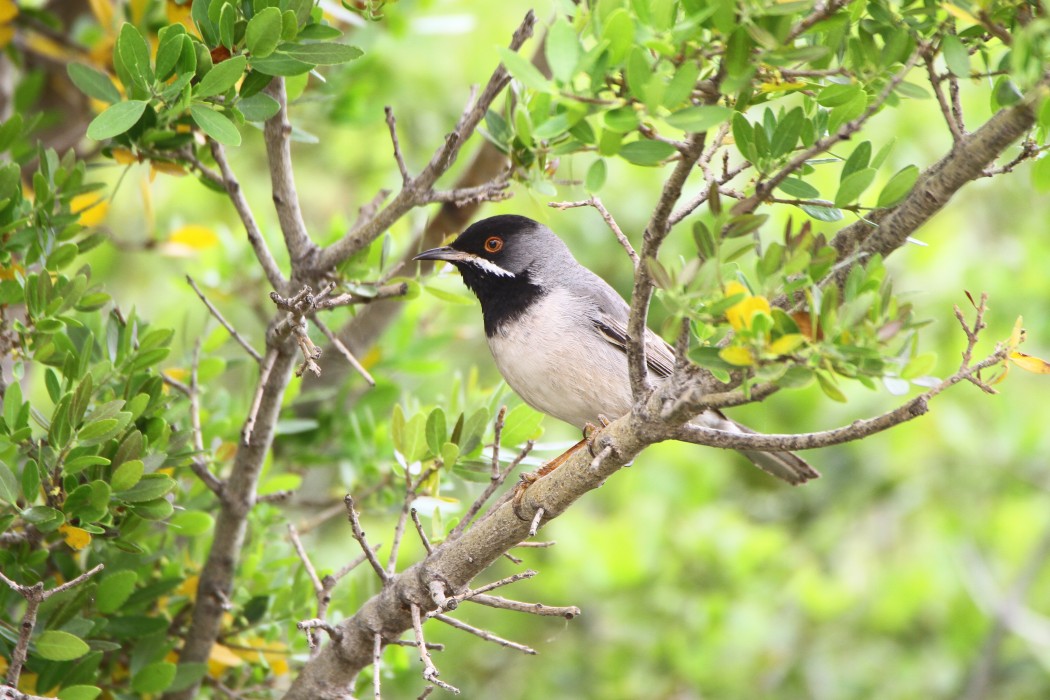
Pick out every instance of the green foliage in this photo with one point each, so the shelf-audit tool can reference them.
(723, 579)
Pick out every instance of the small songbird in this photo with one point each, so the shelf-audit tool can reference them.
(558, 332)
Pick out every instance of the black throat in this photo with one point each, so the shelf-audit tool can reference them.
(503, 299)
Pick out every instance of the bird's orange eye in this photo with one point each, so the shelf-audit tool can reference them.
(494, 244)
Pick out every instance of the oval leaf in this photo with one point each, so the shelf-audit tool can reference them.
(646, 152)
(215, 125)
(56, 645)
(116, 119)
(222, 77)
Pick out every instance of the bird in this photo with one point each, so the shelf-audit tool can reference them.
(558, 331)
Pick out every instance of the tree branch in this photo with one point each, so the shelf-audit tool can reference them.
(277, 132)
(417, 190)
(240, 203)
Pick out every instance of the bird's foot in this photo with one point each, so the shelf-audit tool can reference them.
(529, 478)
(591, 431)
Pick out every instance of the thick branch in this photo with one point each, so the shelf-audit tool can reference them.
(972, 154)
(277, 132)
(216, 578)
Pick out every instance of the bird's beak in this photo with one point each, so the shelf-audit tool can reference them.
(447, 253)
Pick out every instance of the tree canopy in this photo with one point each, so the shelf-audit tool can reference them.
(249, 449)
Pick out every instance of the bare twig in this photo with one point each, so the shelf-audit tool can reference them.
(224, 323)
(597, 204)
(537, 518)
(309, 626)
(497, 434)
(391, 124)
(495, 482)
(568, 612)
(34, 595)
(487, 636)
(411, 491)
(343, 350)
(430, 672)
(377, 655)
(264, 376)
(949, 117)
(388, 291)
(240, 203)
(821, 11)
(419, 529)
(359, 535)
(198, 463)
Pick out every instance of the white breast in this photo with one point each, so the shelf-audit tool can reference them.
(572, 381)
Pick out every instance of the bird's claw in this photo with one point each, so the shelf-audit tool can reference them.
(591, 431)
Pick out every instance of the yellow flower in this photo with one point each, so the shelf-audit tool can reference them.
(77, 538)
(740, 314)
(92, 208)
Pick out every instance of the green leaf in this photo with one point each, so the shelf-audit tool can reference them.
(830, 388)
(798, 188)
(150, 487)
(215, 125)
(12, 405)
(281, 64)
(449, 454)
(134, 54)
(191, 523)
(563, 50)
(596, 175)
(328, 53)
(681, 86)
(154, 678)
(227, 24)
(79, 464)
(258, 107)
(436, 430)
(621, 119)
(222, 77)
(858, 160)
(956, 56)
(114, 590)
(697, 119)
(1041, 174)
(899, 186)
(853, 186)
(521, 69)
(829, 214)
(9, 490)
(919, 366)
(619, 32)
(116, 119)
(263, 32)
(127, 475)
(96, 429)
(522, 423)
(56, 645)
(915, 92)
(785, 136)
(79, 692)
(646, 152)
(93, 83)
(169, 49)
(638, 72)
(415, 441)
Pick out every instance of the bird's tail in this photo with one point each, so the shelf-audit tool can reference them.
(783, 465)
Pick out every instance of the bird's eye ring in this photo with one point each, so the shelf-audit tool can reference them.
(494, 244)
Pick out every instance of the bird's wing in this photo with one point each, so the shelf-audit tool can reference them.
(611, 317)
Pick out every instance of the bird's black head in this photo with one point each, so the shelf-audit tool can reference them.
(504, 260)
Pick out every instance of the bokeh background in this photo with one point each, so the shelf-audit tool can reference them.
(699, 577)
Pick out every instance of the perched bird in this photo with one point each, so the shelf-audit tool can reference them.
(558, 332)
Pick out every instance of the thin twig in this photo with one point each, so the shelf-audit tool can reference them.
(487, 636)
(34, 595)
(419, 529)
(568, 612)
(343, 350)
(535, 525)
(821, 11)
(942, 101)
(377, 655)
(224, 323)
(452, 602)
(493, 486)
(359, 535)
(430, 672)
(497, 432)
(198, 464)
(391, 124)
(240, 203)
(264, 376)
(597, 204)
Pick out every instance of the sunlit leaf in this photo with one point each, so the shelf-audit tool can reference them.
(1029, 363)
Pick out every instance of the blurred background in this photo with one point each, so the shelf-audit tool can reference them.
(916, 563)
